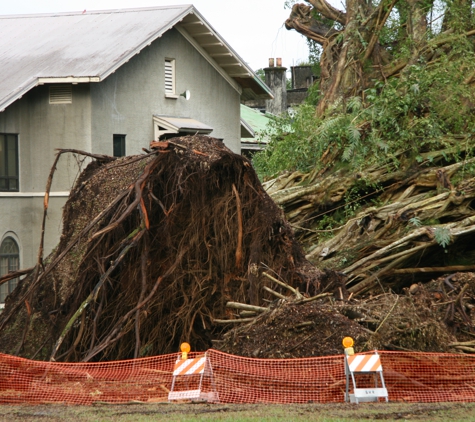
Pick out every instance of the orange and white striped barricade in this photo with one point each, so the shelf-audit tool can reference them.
(192, 377)
(364, 364)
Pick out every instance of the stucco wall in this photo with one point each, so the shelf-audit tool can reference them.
(44, 127)
(126, 101)
(41, 129)
(21, 218)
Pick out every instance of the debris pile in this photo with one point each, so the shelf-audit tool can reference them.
(436, 316)
(293, 330)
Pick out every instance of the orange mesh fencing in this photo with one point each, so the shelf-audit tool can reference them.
(411, 377)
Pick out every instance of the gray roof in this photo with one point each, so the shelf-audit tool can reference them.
(89, 46)
(182, 124)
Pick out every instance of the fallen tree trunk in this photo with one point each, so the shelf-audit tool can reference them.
(383, 226)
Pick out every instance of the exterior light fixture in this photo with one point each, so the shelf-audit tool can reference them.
(186, 94)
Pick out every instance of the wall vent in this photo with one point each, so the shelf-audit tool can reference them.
(60, 94)
(169, 77)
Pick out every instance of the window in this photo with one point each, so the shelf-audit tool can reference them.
(119, 145)
(170, 91)
(9, 261)
(9, 162)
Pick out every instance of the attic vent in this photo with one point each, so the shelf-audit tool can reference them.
(170, 78)
(60, 94)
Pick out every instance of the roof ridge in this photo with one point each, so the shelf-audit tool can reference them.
(96, 12)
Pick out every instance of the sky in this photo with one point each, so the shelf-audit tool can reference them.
(253, 28)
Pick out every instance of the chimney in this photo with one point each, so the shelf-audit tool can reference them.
(276, 80)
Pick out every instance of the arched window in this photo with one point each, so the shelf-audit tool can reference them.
(9, 261)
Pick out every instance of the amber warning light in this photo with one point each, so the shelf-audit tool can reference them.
(348, 345)
(185, 349)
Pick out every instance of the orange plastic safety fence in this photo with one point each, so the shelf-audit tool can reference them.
(413, 377)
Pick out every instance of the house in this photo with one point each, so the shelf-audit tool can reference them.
(107, 82)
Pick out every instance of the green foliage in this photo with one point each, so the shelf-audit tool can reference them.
(415, 221)
(417, 111)
(355, 195)
(401, 118)
(328, 223)
(442, 236)
(406, 117)
(292, 143)
(261, 74)
(314, 53)
(313, 94)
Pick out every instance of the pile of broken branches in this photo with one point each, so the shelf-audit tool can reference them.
(430, 317)
(384, 227)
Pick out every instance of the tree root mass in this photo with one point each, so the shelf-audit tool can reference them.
(153, 247)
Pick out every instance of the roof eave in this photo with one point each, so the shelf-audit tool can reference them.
(196, 29)
(17, 94)
(248, 130)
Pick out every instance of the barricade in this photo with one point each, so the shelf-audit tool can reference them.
(367, 364)
(409, 377)
(193, 380)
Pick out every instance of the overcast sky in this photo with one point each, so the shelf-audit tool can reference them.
(254, 28)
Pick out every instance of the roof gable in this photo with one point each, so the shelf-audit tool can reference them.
(88, 47)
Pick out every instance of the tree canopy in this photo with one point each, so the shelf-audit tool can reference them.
(373, 41)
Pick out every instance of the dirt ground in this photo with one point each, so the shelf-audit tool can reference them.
(243, 412)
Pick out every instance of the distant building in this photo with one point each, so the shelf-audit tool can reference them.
(302, 78)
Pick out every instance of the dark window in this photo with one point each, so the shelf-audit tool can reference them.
(9, 162)
(119, 145)
(9, 261)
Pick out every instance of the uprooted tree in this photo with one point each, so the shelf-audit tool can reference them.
(183, 243)
(379, 183)
(153, 248)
